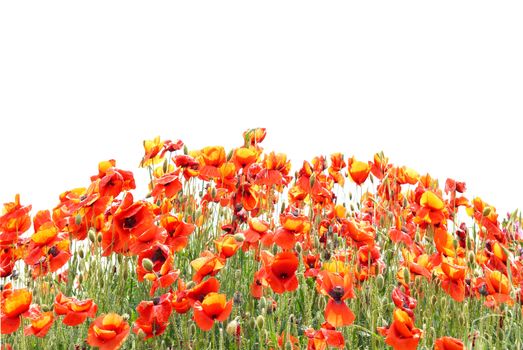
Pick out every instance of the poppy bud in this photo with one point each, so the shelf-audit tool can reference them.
(165, 166)
(380, 282)
(232, 327)
(486, 211)
(126, 316)
(81, 254)
(260, 321)
(471, 257)
(251, 323)
(192, 329)
(92, 234)
(147, 264)
(99, 237)
(298, 248)
(141, 334)
(78, 219)
(263, 302)
(238, 274)
(185, 150)
(239, 237)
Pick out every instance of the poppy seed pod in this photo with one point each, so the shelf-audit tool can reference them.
(147, 264)
(92, 234)
(380, 282)
(232, 327)
(260, 321)
(239, 237)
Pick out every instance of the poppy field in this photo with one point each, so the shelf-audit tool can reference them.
(234, 249)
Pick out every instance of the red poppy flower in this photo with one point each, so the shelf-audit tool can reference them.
(162, 272)
(258, 231)
(453, 279)
(448, 343)
(199, 291)
(404, 301)
(358, 171)
(41, 322)
(153, 315)
(214, 307)
(208, 264)
(401, 335)
(255, 136)
(338, 289)
(75, 311)
(283, 339)
(292, 230)
(178, 231)
(111, 181)
(167, 185)
(14, 221)
(181, 303)
(13, 304)
(108, 332)
(280, 271)
(326, 336)
(226, 246)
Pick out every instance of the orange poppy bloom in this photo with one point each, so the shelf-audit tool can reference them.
(292, 230)
(432, 210)
(14, 221)
(111, 181)
(75, 311)
(258, 231)
(189, 166)
(226, 246)
(254, 136)
(211, 158)
(402, 334)
(199, 291)
(167, 185)
(181, 303)
(41, 322)
(337, 164)
(208, 264)
(129, 218)
(245, 156)
(214, 307)
(178, 231)
(280, 271)
(337, 289)
(284, 339)
(358, 171)
(326, 336)
(151, 148)
(448, 343)
(258, 284)
(404, 301)
(108, 332)
(275, 171)
(453, 278)
(13, 304)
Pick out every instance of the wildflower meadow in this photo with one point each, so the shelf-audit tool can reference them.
(236, 249)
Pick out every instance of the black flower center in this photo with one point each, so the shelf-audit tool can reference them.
(337, 293)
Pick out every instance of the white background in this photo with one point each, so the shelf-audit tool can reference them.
(438, 86)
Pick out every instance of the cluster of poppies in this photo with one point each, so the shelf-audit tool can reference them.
(291, 225)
